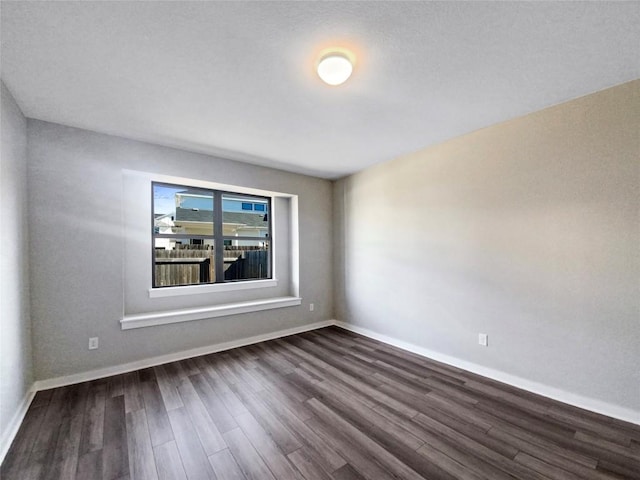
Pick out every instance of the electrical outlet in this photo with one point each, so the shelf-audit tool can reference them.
(93, 343)
(483, 339)
(311, 307)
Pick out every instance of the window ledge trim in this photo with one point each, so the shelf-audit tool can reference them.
(189, 314)
(210, 288)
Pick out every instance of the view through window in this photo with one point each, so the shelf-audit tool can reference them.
(203, 236)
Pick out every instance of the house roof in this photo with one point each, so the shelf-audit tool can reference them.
(248, 219)
(193, 215)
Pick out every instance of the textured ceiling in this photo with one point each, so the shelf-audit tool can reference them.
(237, 79)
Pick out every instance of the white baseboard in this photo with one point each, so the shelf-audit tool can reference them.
(592, 404)
(172, 357)
(14, 425)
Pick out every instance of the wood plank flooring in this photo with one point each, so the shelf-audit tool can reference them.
(326, 404)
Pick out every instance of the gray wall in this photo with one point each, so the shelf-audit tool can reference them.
(528, 231)
(16, 372)
(75, 214)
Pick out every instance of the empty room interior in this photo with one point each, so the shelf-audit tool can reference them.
(320, 240)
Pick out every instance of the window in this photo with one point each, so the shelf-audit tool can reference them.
(150, 215)
(203, 236)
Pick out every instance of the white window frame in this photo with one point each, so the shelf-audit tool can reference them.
(160, 317)
(159, 291)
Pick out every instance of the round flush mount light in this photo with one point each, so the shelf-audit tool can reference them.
(335, 66)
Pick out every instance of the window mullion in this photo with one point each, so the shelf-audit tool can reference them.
(218, 235)
(245, 237)
(183, 235)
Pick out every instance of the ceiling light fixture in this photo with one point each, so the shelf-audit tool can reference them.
(335, 66)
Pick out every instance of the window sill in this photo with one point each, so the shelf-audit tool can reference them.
(210, 288)
(189, 314)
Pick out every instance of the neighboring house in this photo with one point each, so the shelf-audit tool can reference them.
(245, 224)
(229, 204)
(163, 223)
(242, 217)
(198, 222)
(193, 215)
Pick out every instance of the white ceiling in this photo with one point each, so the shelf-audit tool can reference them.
(237, 79)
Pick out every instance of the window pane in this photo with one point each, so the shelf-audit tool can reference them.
(182, 210)
(183, 261)
(239, 222)
(246, 259)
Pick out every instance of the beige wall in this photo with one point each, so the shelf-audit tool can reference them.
(16, 371)
(527, 231)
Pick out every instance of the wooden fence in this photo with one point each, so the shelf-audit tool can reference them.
(250, 263)
(240, 262)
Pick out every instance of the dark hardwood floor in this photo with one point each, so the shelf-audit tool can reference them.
(326, 404)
